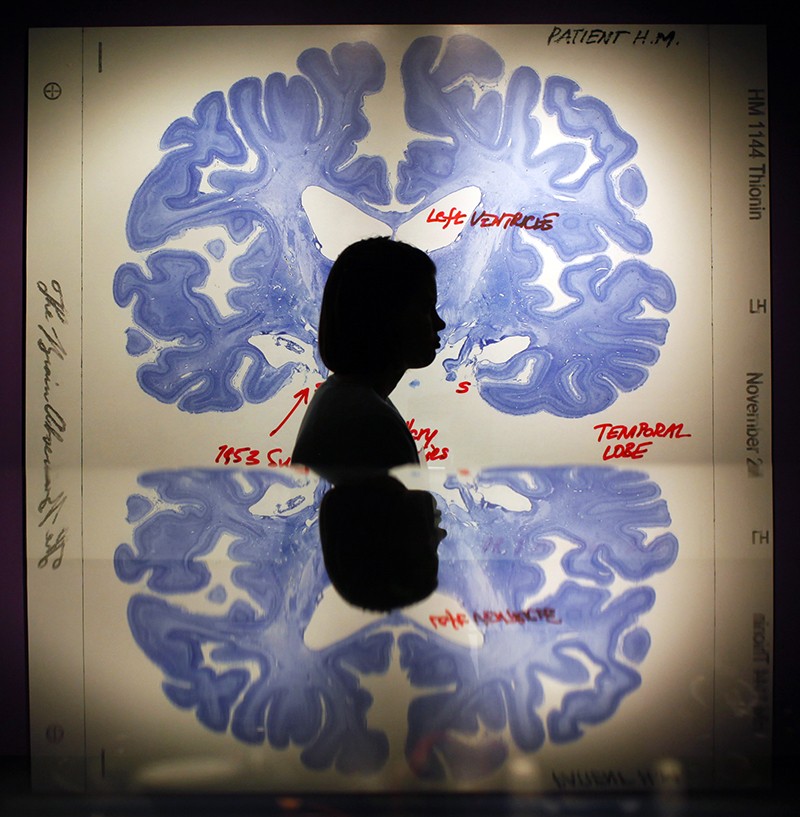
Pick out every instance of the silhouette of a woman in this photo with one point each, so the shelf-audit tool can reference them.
(378, 319)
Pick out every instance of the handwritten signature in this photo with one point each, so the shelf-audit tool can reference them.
(54, 426)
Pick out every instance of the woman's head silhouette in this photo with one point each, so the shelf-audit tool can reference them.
(379, 309)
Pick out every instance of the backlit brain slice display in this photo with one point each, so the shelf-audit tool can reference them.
(237, 170)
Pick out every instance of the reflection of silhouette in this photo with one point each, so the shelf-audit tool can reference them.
(553, 566)
(379, 542)
(378, 319)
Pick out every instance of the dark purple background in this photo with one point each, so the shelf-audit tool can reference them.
(784, 186)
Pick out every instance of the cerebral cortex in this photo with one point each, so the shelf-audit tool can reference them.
(233, 175)
(227, 576)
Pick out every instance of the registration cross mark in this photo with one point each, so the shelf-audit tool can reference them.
(52, 90)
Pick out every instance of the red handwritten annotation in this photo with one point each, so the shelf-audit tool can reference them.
(631, 450)
(228, 455)
(487, 617)
(246, 455)
(432, 452)
(504, 220)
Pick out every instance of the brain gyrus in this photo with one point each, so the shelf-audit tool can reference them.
(233, 175)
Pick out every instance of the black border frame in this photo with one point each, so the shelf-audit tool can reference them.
(782, 95)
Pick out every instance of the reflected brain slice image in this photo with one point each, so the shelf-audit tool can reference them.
(228, 195)
(227, 579)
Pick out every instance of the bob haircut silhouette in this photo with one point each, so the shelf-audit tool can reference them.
(367, 289)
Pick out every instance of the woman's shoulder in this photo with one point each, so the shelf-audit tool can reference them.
(350, 422)
(341, 404)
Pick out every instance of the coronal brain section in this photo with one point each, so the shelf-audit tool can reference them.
(571, 360)
(233, 650)
(561, 640)
(531, 265)
(550, 569)
(231, 181)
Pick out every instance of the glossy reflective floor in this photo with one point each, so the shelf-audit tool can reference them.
(568, 647)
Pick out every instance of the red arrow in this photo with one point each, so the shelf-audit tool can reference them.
(302, 397)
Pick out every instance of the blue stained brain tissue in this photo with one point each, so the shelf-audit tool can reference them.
(551, 568)
(235, 172)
